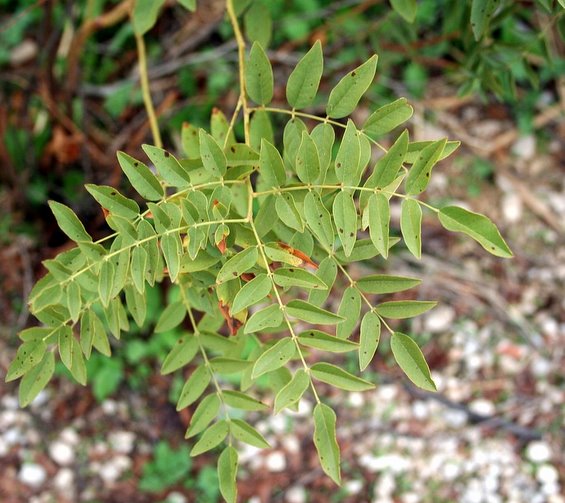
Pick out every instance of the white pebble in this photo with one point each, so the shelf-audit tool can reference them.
(64, 481)
(276, 461)
(353, 486)
(512, 207)
(356, 399)
(525, 147)
(32, 475)
(10, 402)
(549, 489)
(13, 436)
(122, 441)
(440, 319)
(295, 494)
(110, 407)
(176, 497)
(483, 407)
(61, 453)
(4, 448)
(547, 474)
(450, 470)
(420, 409)
(290, 444)
(386, 485)
(113, 469)
(538, 452)
(70, 436)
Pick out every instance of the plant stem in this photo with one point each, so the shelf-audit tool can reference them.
(144, 79)
(241, 63)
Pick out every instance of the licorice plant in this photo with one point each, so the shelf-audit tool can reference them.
(255, 237)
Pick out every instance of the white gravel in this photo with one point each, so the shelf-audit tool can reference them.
(32, 475)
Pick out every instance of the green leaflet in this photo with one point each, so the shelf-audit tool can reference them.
(136, 304)
(195, 385)
(330, 374)
(28, 356)
(65, 341)
(288, 277)
(110, 199)
(244, 432)
(293, 391)
(312, 314)
(206, 411)
(271, 165)
(477, 226)
(379, 221)
(171, 317)
(411, 226)
(327, 272)
(74, 300)
(106, 282)
(388, 117)
(345, 220)
(267, 317)
(182, 353)
(220, 129)
(36, 379)
(326, 442)
(240, 400)
(78, 366)
(138, 268)
(349, 309)
(345, 96)
(292, 136)
(324, 136)
(411, 360)
(401, 309)
(213, 157)
(304, 80)
(481, 14)
(388, 166)
(141, 177)
(419, 175)
(251, 293)
(228, 365)
(348, 155)
(276, 254)
(258, 24)
(384, 283)
(406, 8)
(212, 437)
(326, 342)
(274, 357)
(260, 128)
(287, 211)
(238, 264)
(167, 166)
(99, 337)
(259, 76)
(68, 222)
(189, 140)
(227, 473)
(171, 247)
(370, 334)
(188, 4)
(319, 220)
(416, 147)
(307, 160)
(144, 15)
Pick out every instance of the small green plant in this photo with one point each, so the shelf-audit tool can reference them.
(169, 467)
(257, 235)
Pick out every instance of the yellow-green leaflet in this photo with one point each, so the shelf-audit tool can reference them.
(258, 24)
(370, 335)
(270, 316)
(336, 376)
(36, 379)
(271, 165)
(293, 391)
(326, 442)
(110, 199)
(182, 353)
(420, 173)
(213, 157)
(251, 293)
(345, 220)
(307, 160)
(345, 96)
(477, 226)
(195, 385)
(411, 360)
(400, 309)
(348, 155)
(386, 283)
(378, 211)
(238, 264)
(481, 14)
(68, 222)
(212, 437)
(227, 471)
(141, 177)
(244, 432)
(388, 117)
(206, 411)
(167, 166)
(274, 357)
(304, 80)
(411, 226)
(349, 309)
(259, 76)
(240, 400)
(326, 342)
(312, 314)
